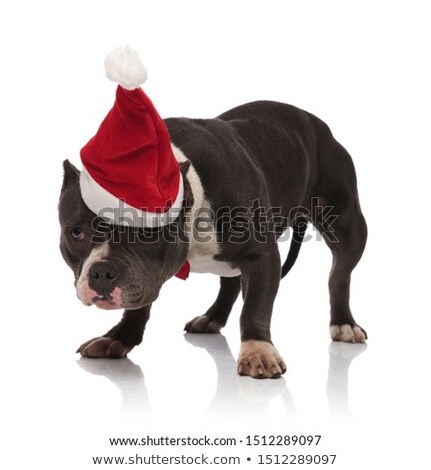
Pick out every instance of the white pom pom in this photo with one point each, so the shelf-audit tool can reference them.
(123, 66)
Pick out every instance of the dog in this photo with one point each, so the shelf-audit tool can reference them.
(249, 175)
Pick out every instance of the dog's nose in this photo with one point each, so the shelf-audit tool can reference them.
(102, 277)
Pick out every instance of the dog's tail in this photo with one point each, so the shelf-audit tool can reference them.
(299, 227)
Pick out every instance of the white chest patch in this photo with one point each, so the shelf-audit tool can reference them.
(207, 264)
(203, 240)
(204, 246)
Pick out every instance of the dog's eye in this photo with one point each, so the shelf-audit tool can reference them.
(77, 233)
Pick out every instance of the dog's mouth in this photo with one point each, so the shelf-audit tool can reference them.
(126, 296)
(132, 302)
(96, 298)
(105, 303)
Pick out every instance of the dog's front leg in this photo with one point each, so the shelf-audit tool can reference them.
(260, 276)
(121, 339)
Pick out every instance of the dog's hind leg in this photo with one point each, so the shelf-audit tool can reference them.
(216, 316)
(346, 238)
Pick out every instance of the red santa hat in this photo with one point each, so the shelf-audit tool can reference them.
(130, 175)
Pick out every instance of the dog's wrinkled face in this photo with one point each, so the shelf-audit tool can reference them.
(115, 267)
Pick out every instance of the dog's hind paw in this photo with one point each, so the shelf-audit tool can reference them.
(260, 360)
(103, 347)
(347, 333)
(203, 324)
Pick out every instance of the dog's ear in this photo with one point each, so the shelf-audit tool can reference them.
(70, 175)
(188, 194)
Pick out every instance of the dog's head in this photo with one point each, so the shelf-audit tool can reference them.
(117, 266)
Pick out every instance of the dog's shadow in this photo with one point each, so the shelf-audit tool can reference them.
(240, 400)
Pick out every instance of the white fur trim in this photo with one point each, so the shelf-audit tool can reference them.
(124, 66)
(110, 208)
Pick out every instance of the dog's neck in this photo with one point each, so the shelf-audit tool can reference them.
(192, 176)
(203, 245)
(198, 193)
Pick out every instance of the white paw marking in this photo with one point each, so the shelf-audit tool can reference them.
(260, 359)
(347, 334)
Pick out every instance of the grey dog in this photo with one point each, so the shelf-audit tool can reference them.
(250, 173)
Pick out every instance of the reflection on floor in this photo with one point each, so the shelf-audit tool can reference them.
(241, 399)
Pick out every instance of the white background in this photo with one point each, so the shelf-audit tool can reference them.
(364, 68)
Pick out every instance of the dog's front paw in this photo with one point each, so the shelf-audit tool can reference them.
(348, 333)
(203, 324)
(103, 347)
(260, 360)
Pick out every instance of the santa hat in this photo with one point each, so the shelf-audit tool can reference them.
(130, 175)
